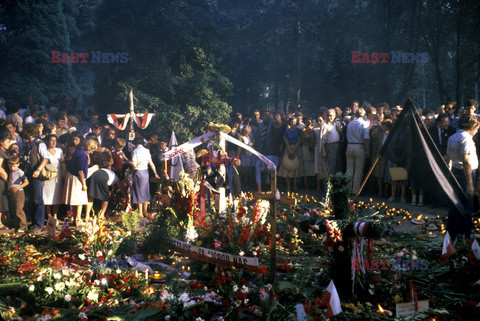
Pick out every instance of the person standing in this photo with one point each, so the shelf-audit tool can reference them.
(75, 193)
(293, 140)
(16, 182)
(53, 188)
(331, 142)
(4, 208)
(35, 158)
(462, 159)
(141, 160)
(358, 148)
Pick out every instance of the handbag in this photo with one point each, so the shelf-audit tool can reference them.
(290, 162)
(398, 173)
(48, 172)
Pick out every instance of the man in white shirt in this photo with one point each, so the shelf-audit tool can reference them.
(358, 148)
(331, 143)
(462, 159)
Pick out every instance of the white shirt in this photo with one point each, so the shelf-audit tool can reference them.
(358, 130)
(461, 143)
(141, 157)
(332, 134)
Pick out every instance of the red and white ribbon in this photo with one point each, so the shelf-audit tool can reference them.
(113, 119)
(145, 119)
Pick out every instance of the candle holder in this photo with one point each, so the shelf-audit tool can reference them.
(157, 277)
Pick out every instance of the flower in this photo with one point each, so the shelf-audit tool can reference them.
(49, 290)
(60, 286)
(31, 288)
(57, 276)
(92, 295)
(67, 298)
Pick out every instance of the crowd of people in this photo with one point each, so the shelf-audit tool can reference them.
(309, 148)
(54, 160)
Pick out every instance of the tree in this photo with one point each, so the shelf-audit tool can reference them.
(171, 63)
(31, 30)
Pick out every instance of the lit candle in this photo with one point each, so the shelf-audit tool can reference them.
(146, 274)
(382, 311)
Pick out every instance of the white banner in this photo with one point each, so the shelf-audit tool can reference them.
(214, 257)
(201, 139)
(232, 140)
(187, 146)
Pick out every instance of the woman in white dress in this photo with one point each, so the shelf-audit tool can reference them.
(53, 188)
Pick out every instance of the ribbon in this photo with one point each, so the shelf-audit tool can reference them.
(187, 146)
(146, 118)
(413, 295)
(268, 162)
(202, 197)
(113, 119)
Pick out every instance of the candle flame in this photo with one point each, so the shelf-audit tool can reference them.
(380, 308)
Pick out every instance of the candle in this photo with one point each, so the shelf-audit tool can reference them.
(382, 311)
(146, 274)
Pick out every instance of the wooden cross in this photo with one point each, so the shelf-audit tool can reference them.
(273, 224)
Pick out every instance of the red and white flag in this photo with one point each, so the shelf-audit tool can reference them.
(332, 301)
(448, 248)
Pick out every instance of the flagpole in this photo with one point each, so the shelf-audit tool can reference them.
(132, 114)
(366, 178)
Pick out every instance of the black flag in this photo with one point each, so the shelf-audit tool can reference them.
(410, 144)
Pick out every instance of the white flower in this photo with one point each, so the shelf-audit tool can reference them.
(81, 257)
(245, 289)
(60, 286)
(183, 297)
(99, 253)
(109, 253)
(92, 295)
(57, 276)
(167, 317)
(49, 290)
(192, 234)
(241, 253)
(245, 301)
(68, 298)
(371, 291)
(82, 316)
(31, 288)
(189, 303)
(235, 288)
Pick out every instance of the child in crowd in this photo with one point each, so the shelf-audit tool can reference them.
(16, 182)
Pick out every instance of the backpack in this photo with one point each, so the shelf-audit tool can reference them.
(32, 158)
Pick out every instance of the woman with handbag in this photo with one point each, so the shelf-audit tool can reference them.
(291, 166)
(53, 187)
(75, 193)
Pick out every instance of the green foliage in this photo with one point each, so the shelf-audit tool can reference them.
(338, 192)
(130, 220)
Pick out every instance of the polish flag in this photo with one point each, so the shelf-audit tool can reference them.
(448, 248)
(332, 301)
(476, 249)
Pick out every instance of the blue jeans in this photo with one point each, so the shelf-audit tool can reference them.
(36, 197)
(456, 222)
